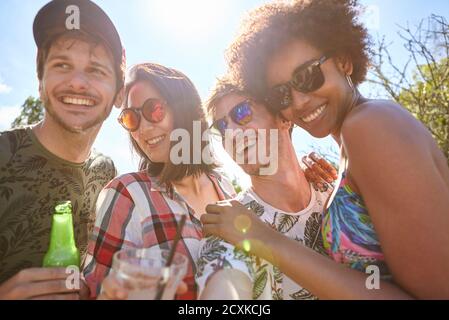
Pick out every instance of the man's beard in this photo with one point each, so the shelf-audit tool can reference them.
(60, 121)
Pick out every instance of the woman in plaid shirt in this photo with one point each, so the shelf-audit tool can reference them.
(141, 209)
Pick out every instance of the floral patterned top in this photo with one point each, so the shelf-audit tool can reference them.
(348, 233)
(268, 282)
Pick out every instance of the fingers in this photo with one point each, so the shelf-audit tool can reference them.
(325, 165)
(311, 177)
(66, 296)
(209, 218)
(42, 288)
(84, 292)
(227, 207)
(317, 182)
(41, 274)
(215, 208)
(182, 288)
(237, 204)
(36, 282)
(317, 170)
(112, 289)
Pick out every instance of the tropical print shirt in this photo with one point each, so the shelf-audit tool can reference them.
(267, 280)
(348, 233)
(136, 211)
(32, 182)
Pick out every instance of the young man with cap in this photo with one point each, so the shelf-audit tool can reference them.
(80, 67)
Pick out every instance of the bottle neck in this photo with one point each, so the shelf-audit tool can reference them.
(62, 231)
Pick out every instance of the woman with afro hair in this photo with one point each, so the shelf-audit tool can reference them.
(385, 228)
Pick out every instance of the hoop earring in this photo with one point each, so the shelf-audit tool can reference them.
(351, 84)
(355, 92)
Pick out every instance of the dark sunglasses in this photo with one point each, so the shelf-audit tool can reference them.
(241, 114)
(152, 110)
(306, 78)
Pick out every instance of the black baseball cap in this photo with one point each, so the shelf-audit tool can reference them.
(51, 19)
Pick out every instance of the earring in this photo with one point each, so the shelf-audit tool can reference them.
(351, 84)
(355, 92)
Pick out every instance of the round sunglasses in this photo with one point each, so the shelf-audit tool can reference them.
(152, 110)
(241, 114)
(306, 78)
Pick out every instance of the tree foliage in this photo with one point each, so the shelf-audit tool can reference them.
(422, 84)
(32, 111)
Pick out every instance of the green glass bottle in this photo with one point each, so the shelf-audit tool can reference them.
(62, 251)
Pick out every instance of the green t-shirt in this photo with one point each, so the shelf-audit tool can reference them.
(32, 181)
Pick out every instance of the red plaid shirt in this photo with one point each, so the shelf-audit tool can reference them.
(135, 211)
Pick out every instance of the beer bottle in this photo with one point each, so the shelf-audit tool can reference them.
(62, 251)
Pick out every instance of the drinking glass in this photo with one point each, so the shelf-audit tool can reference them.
(143, 272)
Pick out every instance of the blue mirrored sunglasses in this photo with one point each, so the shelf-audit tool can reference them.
(241, 114)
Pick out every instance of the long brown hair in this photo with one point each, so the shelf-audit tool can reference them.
(183, 98)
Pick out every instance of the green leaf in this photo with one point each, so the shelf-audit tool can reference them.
(259, 283)
(312, 233)
(258, 209)
(278, 275)
(5, 192)
(303, 294)
(286, 222)
(32, 164)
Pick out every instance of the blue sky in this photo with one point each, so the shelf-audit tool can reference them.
(188, 35)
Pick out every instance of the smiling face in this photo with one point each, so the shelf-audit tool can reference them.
(152, 138)
(261, 119)
(78, 85)
(322, 111)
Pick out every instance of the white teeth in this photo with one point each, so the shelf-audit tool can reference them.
(78, 101)
(314, 115)
(156, 140)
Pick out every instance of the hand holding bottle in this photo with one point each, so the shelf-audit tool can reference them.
(41, 284)
(55, 281)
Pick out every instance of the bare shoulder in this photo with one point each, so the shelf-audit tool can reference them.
(382, 121)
